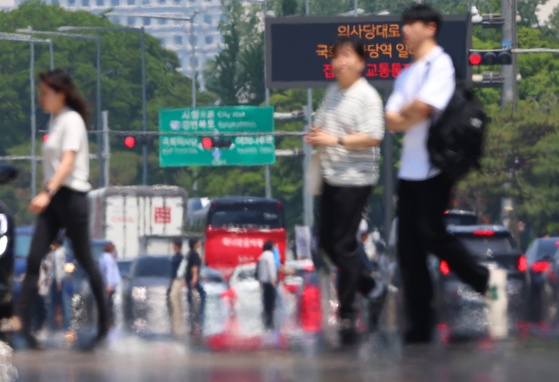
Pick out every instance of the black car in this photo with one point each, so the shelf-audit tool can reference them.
(541, 260)
(144, 295)
(460, 308)
(7, 174)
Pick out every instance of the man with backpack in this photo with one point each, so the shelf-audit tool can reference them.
(421, 95)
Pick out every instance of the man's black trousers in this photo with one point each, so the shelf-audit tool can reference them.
(421, 230)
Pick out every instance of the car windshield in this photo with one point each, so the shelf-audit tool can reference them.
(247, 215)
(124, 267)
(246, 274)
(209, 279)
(547, 247)
(457, 219)
(483, 246)
(153, 267)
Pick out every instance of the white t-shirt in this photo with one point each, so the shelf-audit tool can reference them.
(67, 132)
(431, 80)
(357, 109)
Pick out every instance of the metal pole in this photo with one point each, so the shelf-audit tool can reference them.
(514, 57)
(106, 148)
(388, 180)
(307, 150)
(144, 107)
(507, 71)
(192, 60)
(99, 138)
(51, 52)
(33, 123)
(267, 98)
(355, 7)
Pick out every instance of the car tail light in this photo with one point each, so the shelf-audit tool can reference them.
(541, 266)
(486, 232)
(446, 212)
(445, 270)
(522, 263)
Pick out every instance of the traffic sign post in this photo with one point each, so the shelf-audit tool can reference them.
(206, 148)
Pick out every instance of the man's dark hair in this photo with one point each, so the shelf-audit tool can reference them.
(178, 243)
(59, 240)
(193, 241)
(268, 246)
(424, 14)
(353, 42)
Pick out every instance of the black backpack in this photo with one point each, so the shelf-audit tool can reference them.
(455, 142)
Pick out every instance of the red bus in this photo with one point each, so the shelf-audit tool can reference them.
(238, 227)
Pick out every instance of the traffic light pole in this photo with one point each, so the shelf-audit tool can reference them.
(508, 40)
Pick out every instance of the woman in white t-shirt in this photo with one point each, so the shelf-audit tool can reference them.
(62, 203)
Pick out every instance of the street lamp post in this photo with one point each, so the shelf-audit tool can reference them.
(144, 99)
(91, 38)
(179, 18)
(24, 38)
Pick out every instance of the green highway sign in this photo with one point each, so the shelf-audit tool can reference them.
(211, 149)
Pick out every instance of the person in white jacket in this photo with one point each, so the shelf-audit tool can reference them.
(267, 274)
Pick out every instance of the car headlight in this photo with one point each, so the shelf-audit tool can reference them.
(139, 294)
(69, 267)
(3, 244)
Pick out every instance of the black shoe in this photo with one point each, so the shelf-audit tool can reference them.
(348, 333)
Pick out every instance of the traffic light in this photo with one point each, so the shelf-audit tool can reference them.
(210, 143)
(490, 57)
(140, 140)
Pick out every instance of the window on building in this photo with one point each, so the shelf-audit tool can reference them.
(71, 3)
(56, 2)
(145, 2)
(85, 3)
(147, 20)
(177, 40)
(131, 21)
(131, 2)
(177, 1)
(100, 3)
(162, 21)
(209, 39)
(161, 1)
(162, 39)
(207, 19)
(115, 3)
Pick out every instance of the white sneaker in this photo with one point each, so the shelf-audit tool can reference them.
(497, 305)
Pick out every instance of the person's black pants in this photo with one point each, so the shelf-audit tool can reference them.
(421, 230)
(341, 211)
(67, 209)
(269, 300)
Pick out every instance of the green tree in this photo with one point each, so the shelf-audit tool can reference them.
(120, 89)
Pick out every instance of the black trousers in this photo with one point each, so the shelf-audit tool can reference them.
(421, 230)
(67, 209)
(269, 300)
(341, 211)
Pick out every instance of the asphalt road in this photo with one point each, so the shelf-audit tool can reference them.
(380, 358)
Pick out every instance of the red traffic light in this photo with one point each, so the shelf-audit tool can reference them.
(475, 59)
(129, 142)
(207, 143)
(45, 137)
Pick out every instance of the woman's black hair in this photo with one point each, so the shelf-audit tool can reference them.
(269, 245)
(353, 42)
(424, 14)
(60, 81)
